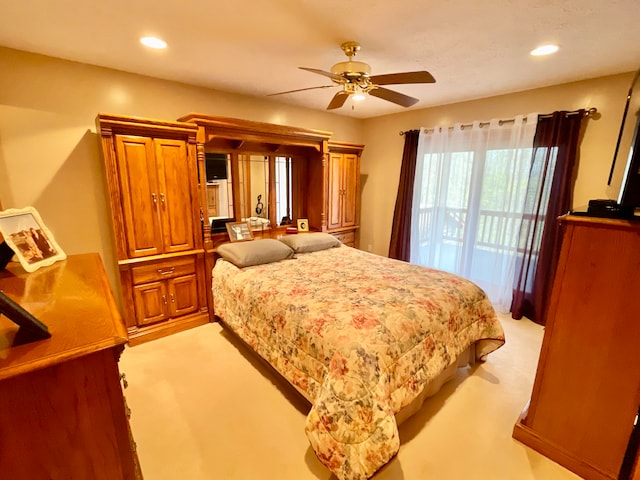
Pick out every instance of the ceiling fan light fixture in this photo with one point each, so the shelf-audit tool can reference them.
(356, 81)
(358, 95)
(355, 91)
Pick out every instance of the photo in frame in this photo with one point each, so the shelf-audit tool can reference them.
(239, 231)
(303, 225)
(31, 241)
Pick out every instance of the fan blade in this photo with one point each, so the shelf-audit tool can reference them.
(401, 78)
(300, 90)
(332, 76)
(338, 100)
(395, 97)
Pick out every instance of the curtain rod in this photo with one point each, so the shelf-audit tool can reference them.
(590, 112)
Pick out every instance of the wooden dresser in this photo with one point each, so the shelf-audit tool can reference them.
(63, 414)
(586, 391)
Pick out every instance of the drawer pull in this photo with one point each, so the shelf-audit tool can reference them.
(167, 271)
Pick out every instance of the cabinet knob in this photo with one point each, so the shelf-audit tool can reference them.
(164, 299)
(173, 298)
(155, 198)
(162, 198)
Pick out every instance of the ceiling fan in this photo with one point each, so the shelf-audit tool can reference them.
(356, 79)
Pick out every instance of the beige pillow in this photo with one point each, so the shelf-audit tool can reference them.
(310, 242)
(255, 252)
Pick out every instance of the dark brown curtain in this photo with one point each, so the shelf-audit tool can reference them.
(549, 195)
(400, 245)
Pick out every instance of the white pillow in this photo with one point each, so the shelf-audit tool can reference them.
(310, 242)
(255, 252)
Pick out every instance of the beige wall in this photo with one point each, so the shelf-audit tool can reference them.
(49, 153)
(383, 152)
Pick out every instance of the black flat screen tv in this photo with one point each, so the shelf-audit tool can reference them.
(216, 166)
(630, 191)
(628, 151)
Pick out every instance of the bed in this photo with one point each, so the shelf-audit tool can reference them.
(364, 338)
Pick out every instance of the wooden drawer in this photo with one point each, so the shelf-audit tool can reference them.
(348, 238)
(152, 272)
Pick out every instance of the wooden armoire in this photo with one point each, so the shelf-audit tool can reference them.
(343, 207)
(152, 178)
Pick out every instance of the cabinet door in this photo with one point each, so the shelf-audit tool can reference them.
(183, 294)
(334, 217)
(151, 303)
(174, 195)
(350, 171)
(137, 172)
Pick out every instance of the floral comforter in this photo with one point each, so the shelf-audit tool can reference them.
(362, 335)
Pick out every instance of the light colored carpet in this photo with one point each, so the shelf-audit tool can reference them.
(204, 408)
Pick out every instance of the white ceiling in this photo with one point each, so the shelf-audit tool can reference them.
(473, 48)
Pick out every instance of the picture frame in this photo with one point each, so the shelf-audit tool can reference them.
(31, 241)
(303, 225)
(239, 231)
(30, 329)
(6, 254)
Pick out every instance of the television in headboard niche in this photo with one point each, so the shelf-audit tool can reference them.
(628, 150)
(216, 166)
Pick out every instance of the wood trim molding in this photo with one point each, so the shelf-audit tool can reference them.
(345, 147)
(557, 453)
(261, 132)
(109, 124)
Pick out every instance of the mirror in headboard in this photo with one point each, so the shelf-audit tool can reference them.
(270, 189)
(219, 190)
(284, 170)
(253, 182)
(274, 171)
(628, 151)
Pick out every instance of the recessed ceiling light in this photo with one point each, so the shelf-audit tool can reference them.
(153, 42)
(544, 50)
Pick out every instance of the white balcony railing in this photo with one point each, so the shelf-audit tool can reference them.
(495, 230)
